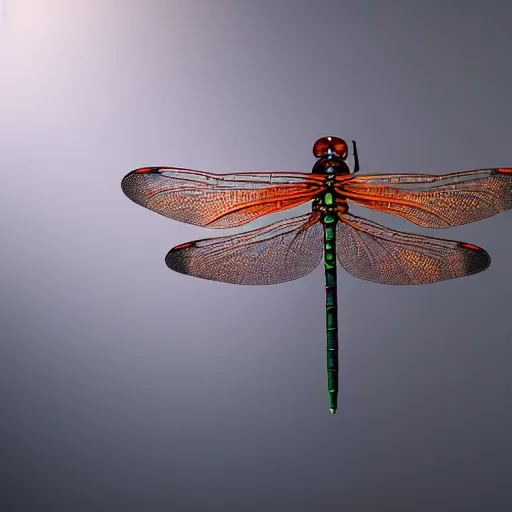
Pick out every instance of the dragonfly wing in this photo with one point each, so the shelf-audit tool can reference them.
(434, 201)
(375, 253)
(218, 200)
(280, 252)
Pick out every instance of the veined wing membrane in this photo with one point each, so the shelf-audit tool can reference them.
(280, 252)
(434, 201)
(218, 200)
(373, 252)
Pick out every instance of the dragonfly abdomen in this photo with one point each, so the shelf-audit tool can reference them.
(331, 307)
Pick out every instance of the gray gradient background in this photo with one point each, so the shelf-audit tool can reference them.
(128, 387)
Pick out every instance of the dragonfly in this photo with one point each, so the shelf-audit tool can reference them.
(290, 249)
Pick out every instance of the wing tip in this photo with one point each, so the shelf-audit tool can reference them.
(130, 184)
(176, 260)
(480, 261)
(126, 184)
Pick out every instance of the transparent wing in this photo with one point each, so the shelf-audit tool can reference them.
(434, 201)
(218, 200)
(375, 253)
(280, 252)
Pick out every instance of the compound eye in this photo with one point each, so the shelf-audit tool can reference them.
(330, 146)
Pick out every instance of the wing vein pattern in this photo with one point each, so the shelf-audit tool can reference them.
(375, 253)
(218, 200)
(434, 201)
(277, 253)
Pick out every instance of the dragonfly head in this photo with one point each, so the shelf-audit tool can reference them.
(330, 147)
(331, 153)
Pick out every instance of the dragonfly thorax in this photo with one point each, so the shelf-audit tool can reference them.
(330, 166)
